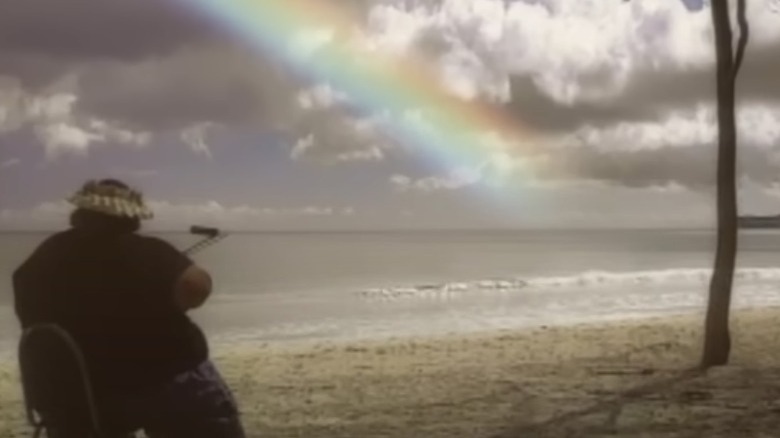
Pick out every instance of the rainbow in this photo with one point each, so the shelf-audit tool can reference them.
(454, 130)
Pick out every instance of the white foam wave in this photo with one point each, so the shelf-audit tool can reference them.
(582, 280)
(663, 276)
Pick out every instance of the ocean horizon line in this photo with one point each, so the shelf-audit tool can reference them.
(401, 230)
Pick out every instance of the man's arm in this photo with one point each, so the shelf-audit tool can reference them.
(182, 283)
(32, 302)
(192, 288)
(24, 306)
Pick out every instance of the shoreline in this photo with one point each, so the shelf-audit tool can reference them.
(687, 318)
(219, 343)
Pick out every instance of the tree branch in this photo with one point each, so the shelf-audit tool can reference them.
(744, 35)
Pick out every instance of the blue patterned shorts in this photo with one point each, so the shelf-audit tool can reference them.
(195, 404)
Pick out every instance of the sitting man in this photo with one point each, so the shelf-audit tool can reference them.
(124, 297)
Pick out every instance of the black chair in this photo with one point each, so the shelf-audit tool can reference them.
(56, 384)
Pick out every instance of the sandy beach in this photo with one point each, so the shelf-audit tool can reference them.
(617, 379)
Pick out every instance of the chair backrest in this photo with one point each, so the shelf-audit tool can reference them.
(55, 380)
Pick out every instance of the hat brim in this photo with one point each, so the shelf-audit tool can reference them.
(110, 205)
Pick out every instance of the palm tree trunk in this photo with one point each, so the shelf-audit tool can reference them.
(717, 339)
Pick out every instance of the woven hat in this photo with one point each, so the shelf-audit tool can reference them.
(112, 198)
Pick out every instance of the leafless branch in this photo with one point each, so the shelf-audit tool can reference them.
(744, 34)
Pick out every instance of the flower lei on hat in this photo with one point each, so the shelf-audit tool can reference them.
(111, 200)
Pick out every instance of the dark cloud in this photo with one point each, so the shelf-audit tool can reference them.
(647, 95)
(541, 112)
(156, 65)
(757, 81)
(33, 72)
(208, 84)
(690, 166)
(42, 40)
(95, 29)
(148, 64)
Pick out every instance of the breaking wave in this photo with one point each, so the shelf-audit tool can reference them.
(583, 280)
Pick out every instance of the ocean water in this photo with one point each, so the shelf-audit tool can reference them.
(282, 287)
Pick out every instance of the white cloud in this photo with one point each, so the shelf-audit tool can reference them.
(455, 179)
(372, 153)
(170, 215)
(44, 215)
(336, 138)
(62, 138)
(59, 129)
(575, 49)
(546, 204)
(54, 107)
(166, 208)
(108, 132)
(758, 126)
(498, 169)
(308, 41)
(772, 190)
(9, 163)
(314, 211)
(423, 32)
(570, 203)
(321, 96)
(195, 137)
(390, 29)
(302, 145)
(134, 173)
(669, 187)
(12, 104)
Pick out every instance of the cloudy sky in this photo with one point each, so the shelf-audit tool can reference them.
(616, 97)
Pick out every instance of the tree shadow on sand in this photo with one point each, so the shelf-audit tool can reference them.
(723, 402)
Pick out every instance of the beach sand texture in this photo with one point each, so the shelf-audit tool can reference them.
(546, 382)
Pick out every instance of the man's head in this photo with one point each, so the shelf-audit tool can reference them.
(108, 205)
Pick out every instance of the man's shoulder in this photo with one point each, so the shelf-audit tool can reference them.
(70, 236)
(59, 236)
(148, 244)
(55, 240)
(46, 252)
(148, 240)
(148, 251)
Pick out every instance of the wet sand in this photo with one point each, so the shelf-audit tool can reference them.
(546, 382)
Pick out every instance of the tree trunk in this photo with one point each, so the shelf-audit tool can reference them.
(717, 340)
